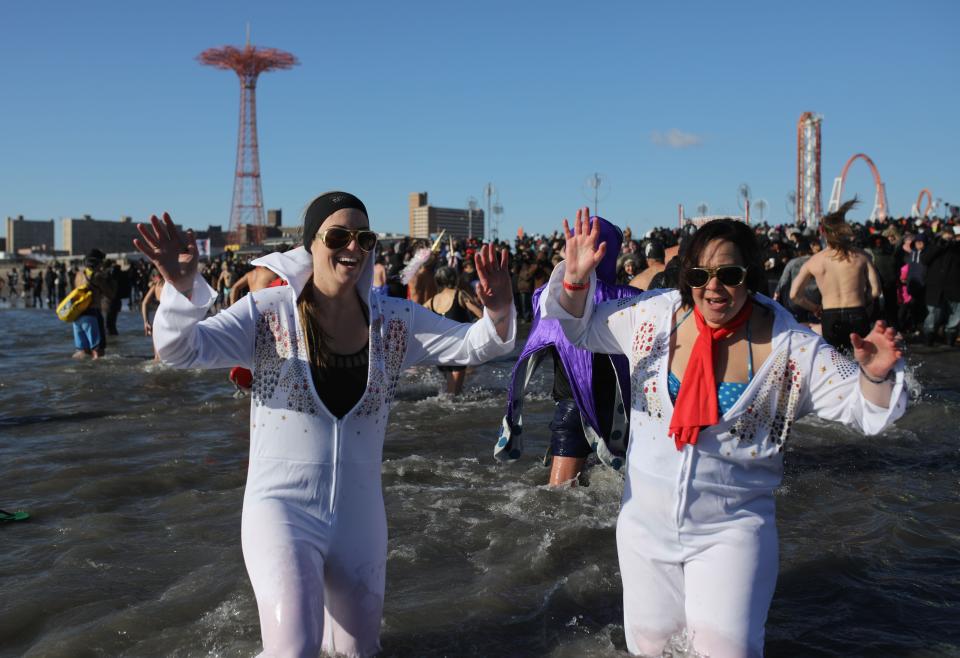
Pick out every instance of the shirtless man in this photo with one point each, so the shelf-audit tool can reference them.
(655, 264)
(226, 281)
(380, 276)
(847, 280)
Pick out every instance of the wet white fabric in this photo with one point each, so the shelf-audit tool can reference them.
(314, 529)
(696, 535)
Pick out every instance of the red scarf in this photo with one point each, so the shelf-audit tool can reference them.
(696, 405)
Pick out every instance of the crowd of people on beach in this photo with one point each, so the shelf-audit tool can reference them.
(914, 259)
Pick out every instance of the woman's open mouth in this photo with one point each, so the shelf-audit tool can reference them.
(349, 262)
(717, 303)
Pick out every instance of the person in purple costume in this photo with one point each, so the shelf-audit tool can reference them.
(589, 389)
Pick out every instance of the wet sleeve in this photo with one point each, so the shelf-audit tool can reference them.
(184, 339)
(436, 340)
(834, 392)
(603, 327)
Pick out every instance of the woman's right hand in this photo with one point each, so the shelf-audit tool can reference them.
(583, 254)
(175, 259)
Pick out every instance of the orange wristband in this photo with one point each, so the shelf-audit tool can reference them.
(575, 286)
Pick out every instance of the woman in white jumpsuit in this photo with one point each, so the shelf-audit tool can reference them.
(314, 531)
(696, 534)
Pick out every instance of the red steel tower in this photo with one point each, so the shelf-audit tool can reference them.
(248, 63)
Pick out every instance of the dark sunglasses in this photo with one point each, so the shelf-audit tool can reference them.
(338, 238)
(728, 275)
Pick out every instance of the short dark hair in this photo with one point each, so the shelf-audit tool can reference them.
(446, 277)
(728, 230)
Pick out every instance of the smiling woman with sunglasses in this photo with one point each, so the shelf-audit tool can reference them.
(719, 375)
(326, 357)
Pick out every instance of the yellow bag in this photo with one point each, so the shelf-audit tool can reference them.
(74, 304)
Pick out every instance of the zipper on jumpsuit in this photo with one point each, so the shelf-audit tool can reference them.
(336, 465)
(683, 484)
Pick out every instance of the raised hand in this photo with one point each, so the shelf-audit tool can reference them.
(583, 254)
(878, 351)
(174, 258)
(496, 289)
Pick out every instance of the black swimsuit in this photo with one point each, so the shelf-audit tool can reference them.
(458, 313)
(341, 384)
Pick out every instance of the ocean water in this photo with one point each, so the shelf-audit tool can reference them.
(134, 475)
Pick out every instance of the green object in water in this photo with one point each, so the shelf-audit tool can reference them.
(14, 516)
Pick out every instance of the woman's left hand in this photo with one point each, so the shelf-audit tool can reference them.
(496, 289)
(879, 350)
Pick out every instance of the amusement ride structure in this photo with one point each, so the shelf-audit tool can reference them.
(804, 204)
(248, 63)
(808, 169)
(918, 210)
(880, 200)
(807, 200)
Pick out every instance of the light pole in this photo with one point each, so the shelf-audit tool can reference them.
(471, 206)
(488, 190)
(591, 187)
(495, 230)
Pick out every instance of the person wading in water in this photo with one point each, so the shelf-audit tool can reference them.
(848, 282)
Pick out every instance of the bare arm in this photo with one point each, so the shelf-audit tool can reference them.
(242, 284)
(873, 279)
(796, 290)
(145, 310)
(470, 304)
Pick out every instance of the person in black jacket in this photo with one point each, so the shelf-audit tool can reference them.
(942, 260)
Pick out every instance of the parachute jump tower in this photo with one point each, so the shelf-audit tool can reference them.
(808, 169)
(248, 63)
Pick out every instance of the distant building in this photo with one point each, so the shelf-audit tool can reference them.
(427, 220)
(251, 234)
(275, 218)
(288, 235)
(214, 233)
(82, 234)
(26, 233)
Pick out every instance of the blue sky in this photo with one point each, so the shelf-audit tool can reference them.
(106, 111)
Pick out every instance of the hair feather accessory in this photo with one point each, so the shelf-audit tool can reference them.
(420, 257)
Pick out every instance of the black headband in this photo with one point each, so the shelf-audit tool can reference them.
(324, 206)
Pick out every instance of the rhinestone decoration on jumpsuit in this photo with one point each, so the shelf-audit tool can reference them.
(314, 530)
(696, 534)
